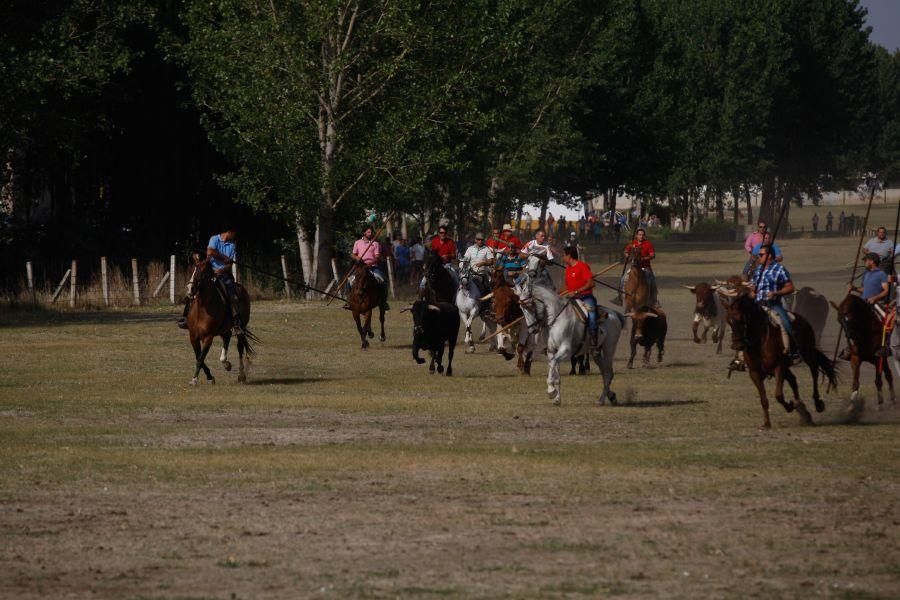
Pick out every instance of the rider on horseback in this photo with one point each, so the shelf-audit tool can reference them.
(367, 251)
(221, 254)
(874, 290)
(771, 281)
(479, 258)
(643, 248)
(579, 283)
(539, 247)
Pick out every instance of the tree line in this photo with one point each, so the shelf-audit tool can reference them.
(142, 126)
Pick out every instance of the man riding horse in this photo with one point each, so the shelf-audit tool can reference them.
(221, 252)
(874, 291)
(643, 252)
(579, 286)
(539, 247)
(772, 281)
(479, 258)
(367, 251)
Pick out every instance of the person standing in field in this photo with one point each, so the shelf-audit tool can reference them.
(829, 221)
(881, 246)
(815, 222)
(417, 256)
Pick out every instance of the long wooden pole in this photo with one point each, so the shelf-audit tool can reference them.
(862, 235)
(353, 268)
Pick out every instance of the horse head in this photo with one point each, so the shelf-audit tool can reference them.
(203, 273)
(742, 316)
(855, 317)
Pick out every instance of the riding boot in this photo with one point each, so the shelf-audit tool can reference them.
(594, 337)
(182, 320)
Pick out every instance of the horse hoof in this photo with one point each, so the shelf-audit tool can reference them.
(470, 350)
(365, 344)
(194, 381)
(765, 427)
(557, 401)
(212, 381)
(440, 369)
(629, 365)
(820, 406)
(449, 372)
(382, 338)
(242, 378)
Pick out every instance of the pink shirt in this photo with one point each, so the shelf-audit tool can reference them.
(368, 251)
(753, 239)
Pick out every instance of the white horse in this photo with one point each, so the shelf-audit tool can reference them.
(567, 334)
(468, 302)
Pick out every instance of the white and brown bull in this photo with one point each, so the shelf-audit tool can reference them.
(709, 312)
(812, 306)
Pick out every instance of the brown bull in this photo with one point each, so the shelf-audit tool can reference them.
(709, 312)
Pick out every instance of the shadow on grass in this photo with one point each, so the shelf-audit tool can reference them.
(30, 316)
(660, 403)
(288, 380)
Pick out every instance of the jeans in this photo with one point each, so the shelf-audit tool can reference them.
(782, 314)
(592, 314)
(227, 280)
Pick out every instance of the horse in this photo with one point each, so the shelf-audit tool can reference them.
(506, 310)
(365, 295)
(210, 316)
(637, 296)
(567, 334)
(440, 285)
(469, 304)
(754, 334)
(864, 331)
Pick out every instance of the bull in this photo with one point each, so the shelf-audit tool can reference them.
(435, 325)
(812, 306)
(649, 328)
(708, 312)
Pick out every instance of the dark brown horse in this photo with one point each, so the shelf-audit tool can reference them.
(439, 284)
(760, 341)
(637, 296)
(864, 331)
(506, 309)
(365, 296)
(210, 316)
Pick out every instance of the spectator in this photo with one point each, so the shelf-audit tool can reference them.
(677, 224)
(417, 256)
(561, 226)
(815, 222)
(881, 246)
(829, 221)
(528, 220)
(841, 219)
(402, 256)
(550, 222)
(582, 226)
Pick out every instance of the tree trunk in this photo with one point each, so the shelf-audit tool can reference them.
(521, 205)
(736, 208)
(305, 243)
(545, 202)
(720, 206)
(768, 201)
(749, 204)
(324, 246)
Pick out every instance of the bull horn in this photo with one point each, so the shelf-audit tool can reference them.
(651, 314)
(729, 293)
(714, 287)
(720, 282)
(628, 314)
(488, 297)
(434, 308)
(744, 284)
(689, 287)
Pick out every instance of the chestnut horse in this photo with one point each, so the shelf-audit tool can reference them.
(365, 295)
(753, 333)
(637, 295)
(864, 331)
(210, 316)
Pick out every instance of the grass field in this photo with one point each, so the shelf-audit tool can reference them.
(341, 473)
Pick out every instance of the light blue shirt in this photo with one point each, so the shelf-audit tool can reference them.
(222, 247)
(776, 249)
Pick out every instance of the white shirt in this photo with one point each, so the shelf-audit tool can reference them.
(475, 254)
(417, 251)
(533, 247)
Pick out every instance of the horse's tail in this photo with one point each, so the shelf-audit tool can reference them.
(247, 337)
(826, 365)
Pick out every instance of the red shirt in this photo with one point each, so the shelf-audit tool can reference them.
(508, 241)
(646, 250)
(446, 249)
(577, 275)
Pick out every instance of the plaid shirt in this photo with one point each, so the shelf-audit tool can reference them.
(770, 278)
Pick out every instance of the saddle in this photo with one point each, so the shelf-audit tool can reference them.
(773, 316)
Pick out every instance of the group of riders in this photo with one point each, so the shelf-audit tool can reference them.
(770, 281)
(764, 272)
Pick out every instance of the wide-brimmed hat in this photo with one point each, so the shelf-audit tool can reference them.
(507, 227)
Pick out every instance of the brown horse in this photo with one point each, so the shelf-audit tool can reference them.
(637, 296)
(210, 316)
(365, 295)
(760, 341)
(505, 306)
(864, 331)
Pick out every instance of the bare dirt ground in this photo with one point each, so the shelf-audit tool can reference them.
(341, 473)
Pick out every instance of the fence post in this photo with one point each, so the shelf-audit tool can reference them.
(284, 272)
(390, 267)
(104, 280)
(73, 284)
(172, 279)
(162, 282)
(135, 280)
(234, 272)
(59, 288)
(30, 276)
